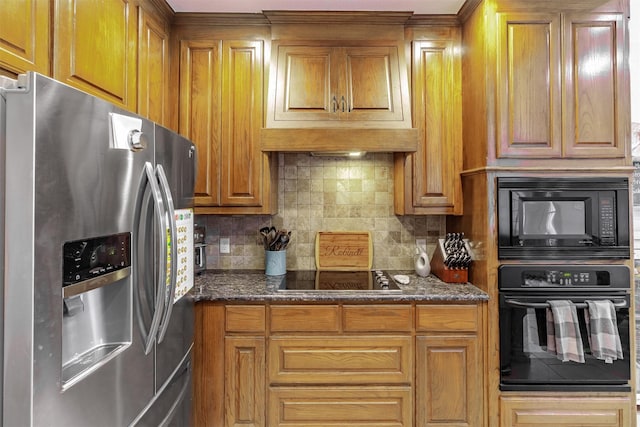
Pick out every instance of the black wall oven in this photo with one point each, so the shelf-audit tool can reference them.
(525, 360)
(563, 218)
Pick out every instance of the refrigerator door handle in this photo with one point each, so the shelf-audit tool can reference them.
(173, 255)
(162, 268)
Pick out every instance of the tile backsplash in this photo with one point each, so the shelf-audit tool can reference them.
(325, 194)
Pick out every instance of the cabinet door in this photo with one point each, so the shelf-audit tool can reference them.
(428, 181)
(448, 381)
(323, 84)
(245, 386)
(95, 48)
(241, 164)
(558, 411)
(370, 90)
(200, 112)
(305, 85)
(153, 68)
(24, 36)
(529, 86)
(596, 99)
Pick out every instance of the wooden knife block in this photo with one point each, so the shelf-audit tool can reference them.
(444, 273)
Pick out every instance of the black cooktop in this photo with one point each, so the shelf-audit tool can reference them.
(312, 280)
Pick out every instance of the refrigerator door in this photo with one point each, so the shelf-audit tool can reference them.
(76, 361)
(172, 405)
(176, 156)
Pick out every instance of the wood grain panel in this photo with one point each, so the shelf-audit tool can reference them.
(153, 69)
(103, 64)
(305, 318)
(373, 85)
(200, 112)
(428, 182)
(209, 362)
(596, 106)
(448, 384)
(331, 360)
(529, 108)
(245, 318)
(338, 84)
(24, 36)
(443, 318)
(340, 406)
(306, 77)
(244, 381)
(436, 182)
(378, 318)
(558, 411)
(242, 88)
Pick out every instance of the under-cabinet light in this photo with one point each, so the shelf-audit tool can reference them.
(351, 154)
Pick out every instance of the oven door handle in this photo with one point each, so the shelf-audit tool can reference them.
(617, 303)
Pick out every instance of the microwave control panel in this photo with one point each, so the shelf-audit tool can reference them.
(607, 220)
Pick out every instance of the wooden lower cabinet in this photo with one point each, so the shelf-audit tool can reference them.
(559, 411)
(369, 364)
(244, 381)
(448, 381)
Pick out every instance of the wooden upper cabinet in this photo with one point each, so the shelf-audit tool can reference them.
(560, 80)
(242, 91)
(596, 104)
(200, 112)
(361, 84)
(221, 111)
(95, 48)
(24, 36)
(428, 181)
(529, 85)
(153, 68)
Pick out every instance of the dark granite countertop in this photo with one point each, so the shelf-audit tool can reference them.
(238, 286)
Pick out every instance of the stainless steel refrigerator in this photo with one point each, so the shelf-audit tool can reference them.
(97, 261)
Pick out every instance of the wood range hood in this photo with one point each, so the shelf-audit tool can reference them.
(335, 88)
(332, 140)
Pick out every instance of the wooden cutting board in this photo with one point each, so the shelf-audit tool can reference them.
(344, 250)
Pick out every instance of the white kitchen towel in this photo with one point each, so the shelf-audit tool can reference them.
(604, 338)
(563, 331)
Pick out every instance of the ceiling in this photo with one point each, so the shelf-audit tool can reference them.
(427, 7)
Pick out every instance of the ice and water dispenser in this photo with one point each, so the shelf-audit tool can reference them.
(96, 322)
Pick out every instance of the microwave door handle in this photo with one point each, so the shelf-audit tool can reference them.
(617, 303)
(173, 252)
(162, 269)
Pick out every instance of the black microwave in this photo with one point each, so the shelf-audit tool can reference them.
(563, 218)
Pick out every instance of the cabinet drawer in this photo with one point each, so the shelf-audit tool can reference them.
(560, 411)
(305, 318)
(445, 318)
(344, 360)
(245, 318)
(340, 406)
(378, 318)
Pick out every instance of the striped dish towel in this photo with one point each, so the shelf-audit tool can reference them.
(602, 328)
(563, 331)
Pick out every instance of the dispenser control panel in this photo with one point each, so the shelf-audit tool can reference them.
(91, 258)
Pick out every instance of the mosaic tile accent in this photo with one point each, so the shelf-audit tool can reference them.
(325, 194)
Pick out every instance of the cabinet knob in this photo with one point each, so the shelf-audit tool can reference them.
(342, 103)
(334, 103)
